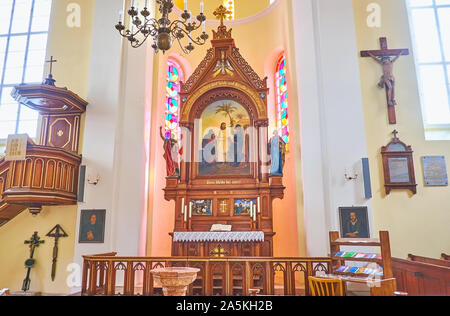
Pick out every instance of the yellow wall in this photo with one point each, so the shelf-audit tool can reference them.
(71, 47)
(417, 224)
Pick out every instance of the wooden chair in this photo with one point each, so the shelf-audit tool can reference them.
(325, 287)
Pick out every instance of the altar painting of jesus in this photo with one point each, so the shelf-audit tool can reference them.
(225, 142)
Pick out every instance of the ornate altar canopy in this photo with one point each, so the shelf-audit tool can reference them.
(224, 174)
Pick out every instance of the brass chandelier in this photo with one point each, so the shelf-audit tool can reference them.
(163, 31)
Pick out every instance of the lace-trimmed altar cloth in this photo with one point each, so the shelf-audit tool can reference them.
(218, 237)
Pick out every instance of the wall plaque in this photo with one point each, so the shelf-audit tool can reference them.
(435, 171)
(16, 148)
(398, 166)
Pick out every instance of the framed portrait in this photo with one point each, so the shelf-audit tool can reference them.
(354, 222)
(92, 227)
(202, 207)
(243, 206)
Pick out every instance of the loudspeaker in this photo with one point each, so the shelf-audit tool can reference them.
(366, 176)
(81, 183)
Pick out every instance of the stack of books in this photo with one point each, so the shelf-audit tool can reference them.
(361, 270)
(357, 255)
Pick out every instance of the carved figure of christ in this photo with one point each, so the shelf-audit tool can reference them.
(386, 58)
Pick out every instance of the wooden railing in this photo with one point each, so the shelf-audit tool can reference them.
(108, 275)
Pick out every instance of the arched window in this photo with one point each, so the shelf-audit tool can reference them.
(229, 5)
(174, 76)
(282, 100)
(23, 41)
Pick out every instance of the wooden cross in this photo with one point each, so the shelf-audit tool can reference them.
(395, 132)
(51, 61)
(56, 232)
(383, 57)
(34, 242)
(221, 13)
(49, 80)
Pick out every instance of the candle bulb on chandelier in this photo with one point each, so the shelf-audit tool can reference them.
(132, 4)
(120, 16)
(185, 5)
(204, 27)
(202, 6)
(146, 3)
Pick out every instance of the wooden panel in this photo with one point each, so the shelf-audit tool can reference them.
(416, 278)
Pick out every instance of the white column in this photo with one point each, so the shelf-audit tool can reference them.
(331, 115)
(115, 138)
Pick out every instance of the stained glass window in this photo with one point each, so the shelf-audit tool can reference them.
(174, 76)
(23, 41)
(229, 5)
(282, 100)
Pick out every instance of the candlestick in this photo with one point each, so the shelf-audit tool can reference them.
(259, 205)
(185, 217)
(254, 214)
(182, 206)
(190, 210)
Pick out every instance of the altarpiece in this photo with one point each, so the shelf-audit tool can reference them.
(224, 189)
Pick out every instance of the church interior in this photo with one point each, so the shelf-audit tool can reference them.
(230, 147)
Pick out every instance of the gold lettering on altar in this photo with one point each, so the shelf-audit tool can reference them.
(222, 182)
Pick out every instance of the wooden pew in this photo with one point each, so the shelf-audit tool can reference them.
(436, 262)
(421, 279)
(445, 257)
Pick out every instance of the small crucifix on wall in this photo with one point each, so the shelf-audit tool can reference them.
(386, 58)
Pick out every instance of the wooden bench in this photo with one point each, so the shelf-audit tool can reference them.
(421, 279)
(436, 262)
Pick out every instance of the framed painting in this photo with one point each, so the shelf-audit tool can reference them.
(243, 206)
(202, 207)
(224, 139)
(354, 222)
(398, 166)
(92, 227)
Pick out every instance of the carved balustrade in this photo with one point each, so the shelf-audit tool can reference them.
(108, 275)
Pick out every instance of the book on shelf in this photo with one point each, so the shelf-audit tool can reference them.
(340, 254)
(360, 255)
(349, 255)
(342, 269)
(353, 270)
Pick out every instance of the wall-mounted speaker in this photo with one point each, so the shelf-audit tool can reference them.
(81, 183)
(366, 175)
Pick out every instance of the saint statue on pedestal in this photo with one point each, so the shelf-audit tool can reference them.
(277, 152)
(171, 152)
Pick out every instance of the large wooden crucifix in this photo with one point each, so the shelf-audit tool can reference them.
(386, 58)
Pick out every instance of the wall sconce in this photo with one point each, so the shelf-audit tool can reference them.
(93, 180)
(351, 178)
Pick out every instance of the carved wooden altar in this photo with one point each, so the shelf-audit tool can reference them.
(224, 76)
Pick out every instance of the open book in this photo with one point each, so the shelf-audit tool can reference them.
(221, 228)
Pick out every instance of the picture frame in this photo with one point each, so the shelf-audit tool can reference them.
(354, 222)
(398, 166)
(241, 207)
(202, 207)
(92, 227)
